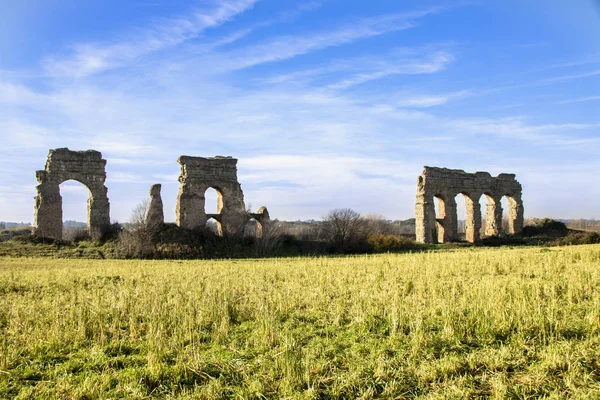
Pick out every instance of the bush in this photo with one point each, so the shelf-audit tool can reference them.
(381, 243)
(75, 234)
(546, 226)
(575, 238)
(9, 234)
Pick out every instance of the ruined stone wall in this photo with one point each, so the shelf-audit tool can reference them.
(86, 167)
(262, 218)
(197, 175)
(443, 185)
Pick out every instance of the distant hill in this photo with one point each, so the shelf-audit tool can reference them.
(74, 224)
(9, 225)
(67, 224)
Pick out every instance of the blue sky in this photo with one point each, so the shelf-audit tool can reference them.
(326, 104)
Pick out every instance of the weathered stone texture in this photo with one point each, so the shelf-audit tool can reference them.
(197, 175)
(155, 217)
(444, 184)
(262, 218)
(86, 167)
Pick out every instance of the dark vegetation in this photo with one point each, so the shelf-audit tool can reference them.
(342, 231)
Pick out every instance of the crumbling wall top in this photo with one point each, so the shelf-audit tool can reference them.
(447, 173)
(446, 183)
(217, 168)
(87, 167)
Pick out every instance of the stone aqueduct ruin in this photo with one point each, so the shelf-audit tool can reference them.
(86, 167)
(444, 185)
(220, 173)
(198, 174)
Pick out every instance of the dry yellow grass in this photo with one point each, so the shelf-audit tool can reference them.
(504, 323)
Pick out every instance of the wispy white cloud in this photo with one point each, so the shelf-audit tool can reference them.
(517, 128)
(360, 70)
(580, 100)
(287, 47)
(93, 58)
(557, 79)
(431, 64)
(424, 101)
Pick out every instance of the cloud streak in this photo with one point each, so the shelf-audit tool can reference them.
(89, 59)
(287, 47)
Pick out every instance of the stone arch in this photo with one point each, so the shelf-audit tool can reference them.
(446, 184)
(262, 219)
(214, 219)
(197, 175)
(85, 167)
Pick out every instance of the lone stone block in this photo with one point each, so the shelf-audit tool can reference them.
(155, 217)
(86, 167)
(444, 184)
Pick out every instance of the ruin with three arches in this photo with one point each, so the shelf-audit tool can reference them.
(198, 174)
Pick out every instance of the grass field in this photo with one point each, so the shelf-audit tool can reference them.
(505, 323)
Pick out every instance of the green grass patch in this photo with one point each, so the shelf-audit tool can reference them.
(466, 323)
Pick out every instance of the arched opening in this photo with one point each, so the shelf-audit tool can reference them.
(485, 200)
(504, 202)
(75, 197)
(214, 226)
(512, 215)
(213, 201)
(440, 212)
(461, 216)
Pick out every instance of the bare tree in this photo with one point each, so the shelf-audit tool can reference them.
(344, 227)
(138, 239)
(271, 238)
(377, 224)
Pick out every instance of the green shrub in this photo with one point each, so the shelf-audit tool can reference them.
(546, 226)
(575, 238)
(381, 243)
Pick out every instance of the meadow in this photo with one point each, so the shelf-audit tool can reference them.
(465, 323)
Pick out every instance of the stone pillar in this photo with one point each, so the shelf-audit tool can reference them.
(516, 215)
(48, 211)
(98, 212)
(232, 209)
(450, 217)
(425, 219)
(155, 217)
(189, 210)
(473, 218)
(493, 216)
